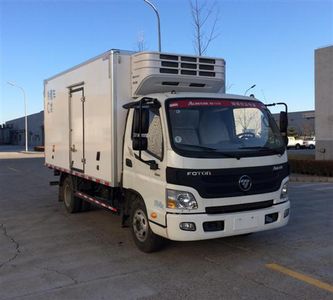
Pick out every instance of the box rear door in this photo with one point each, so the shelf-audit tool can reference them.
(76, 102)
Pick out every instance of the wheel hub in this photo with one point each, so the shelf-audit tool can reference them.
(140, 225)
(67, 195)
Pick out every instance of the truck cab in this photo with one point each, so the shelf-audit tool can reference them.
(206, 166)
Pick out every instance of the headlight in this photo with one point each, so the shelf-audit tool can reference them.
(284, 191)
(180, 200)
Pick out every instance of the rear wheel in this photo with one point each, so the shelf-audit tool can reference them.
(72, 204)
(86, 206)
(61, 192)
(61, 187)
(144, 238)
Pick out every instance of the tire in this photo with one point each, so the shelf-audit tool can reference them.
(86, 206)
(298, 146)
(61, 193)
(311, 147)
(61, 188)
(72, 204)
(146, 240)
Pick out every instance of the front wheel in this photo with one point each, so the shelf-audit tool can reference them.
(146, 240)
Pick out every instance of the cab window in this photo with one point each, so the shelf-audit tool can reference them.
(154, 135)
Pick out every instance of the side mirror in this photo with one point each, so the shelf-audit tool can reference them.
(144, 121)
(283, 121)
(140, 143)
(284, 126)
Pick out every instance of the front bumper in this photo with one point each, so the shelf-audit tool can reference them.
(234, 223)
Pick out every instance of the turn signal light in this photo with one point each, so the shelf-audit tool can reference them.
(171, 203)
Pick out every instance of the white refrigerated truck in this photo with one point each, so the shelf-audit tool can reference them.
(154, 138)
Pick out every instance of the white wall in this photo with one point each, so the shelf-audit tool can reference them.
(324, 103)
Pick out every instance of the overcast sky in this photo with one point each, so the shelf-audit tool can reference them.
(267, 43)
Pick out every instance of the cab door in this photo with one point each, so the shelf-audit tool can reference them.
(148, 179)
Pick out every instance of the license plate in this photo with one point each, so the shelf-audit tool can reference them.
(245, 222)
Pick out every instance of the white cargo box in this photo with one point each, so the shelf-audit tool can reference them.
(84, 118)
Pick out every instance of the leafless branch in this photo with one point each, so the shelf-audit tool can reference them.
(201, 16)
(141, 42)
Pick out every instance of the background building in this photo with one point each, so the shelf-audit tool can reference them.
(324, 102)
(300, 123)
(4, 135)
(13, 131)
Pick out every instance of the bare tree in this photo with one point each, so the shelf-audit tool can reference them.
(228, 86)
(306, 129)
(205, 18)
(247, 119)
(141, 42)
(292, 131)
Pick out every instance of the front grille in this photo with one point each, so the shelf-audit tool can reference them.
(238, 207)
(225, 182)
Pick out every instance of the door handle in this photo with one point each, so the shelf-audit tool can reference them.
(129, 163)
(73, 148)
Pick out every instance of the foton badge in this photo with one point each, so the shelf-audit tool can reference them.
(199, 173)
(245, 183)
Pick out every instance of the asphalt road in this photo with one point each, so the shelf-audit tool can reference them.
(46, 253)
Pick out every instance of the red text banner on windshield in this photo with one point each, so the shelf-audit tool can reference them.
(176, 104)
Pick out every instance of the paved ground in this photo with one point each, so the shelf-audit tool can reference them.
(48, 254)
(13, 151)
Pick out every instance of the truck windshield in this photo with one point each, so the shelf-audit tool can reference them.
(222, 128)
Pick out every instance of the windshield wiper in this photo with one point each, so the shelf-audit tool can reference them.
(263, 148)
(198, 147)
(226, 154)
